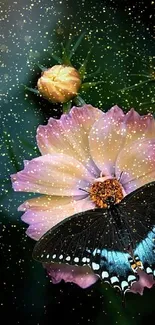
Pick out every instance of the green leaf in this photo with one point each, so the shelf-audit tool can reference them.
(134, 54)
(65, 56)
(69, 44)
(152, 102)
(140, 75)
(56, 58)
(82, 69)
(87, 85)
(28, 145)
(9, 148)
(41, 67)
(93, 74)
(33, 90)
(136, 85)
(66, 52)
(78, 42)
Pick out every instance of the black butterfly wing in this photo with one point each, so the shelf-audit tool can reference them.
(146, 253)
(138, 211)
(74, 237)
(88, 238)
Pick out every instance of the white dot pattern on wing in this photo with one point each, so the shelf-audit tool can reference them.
(76, 259)
(124, 284)
(114, 280)
(149, 270)
(131, 278)
(95, 266)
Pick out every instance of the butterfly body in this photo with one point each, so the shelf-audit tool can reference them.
(115, 242)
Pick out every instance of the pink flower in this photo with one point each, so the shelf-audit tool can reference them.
(145, 280)
(84, 148)
(82, 276)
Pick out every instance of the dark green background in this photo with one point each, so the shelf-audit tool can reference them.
(122, 35)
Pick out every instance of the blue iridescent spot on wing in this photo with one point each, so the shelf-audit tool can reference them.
(114, 268)
(146, 252)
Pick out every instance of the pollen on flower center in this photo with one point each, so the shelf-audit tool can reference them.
(101, 192)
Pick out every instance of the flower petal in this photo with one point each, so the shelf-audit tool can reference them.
(82, 276)
(138, 127)
(57, 174)
(145, 280)
(45, 212)
(69, 134)
(137, 162)
(106, 138)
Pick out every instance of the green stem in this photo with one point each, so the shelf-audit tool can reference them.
(79, 101)
(67, 106)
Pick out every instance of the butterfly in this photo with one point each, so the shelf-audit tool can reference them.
(115, 242)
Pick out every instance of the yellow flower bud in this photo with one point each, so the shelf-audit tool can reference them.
(59, 83)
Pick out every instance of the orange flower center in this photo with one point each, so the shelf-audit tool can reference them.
(103, 194)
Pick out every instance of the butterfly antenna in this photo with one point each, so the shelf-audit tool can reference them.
(83, 190)
(120, 176)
